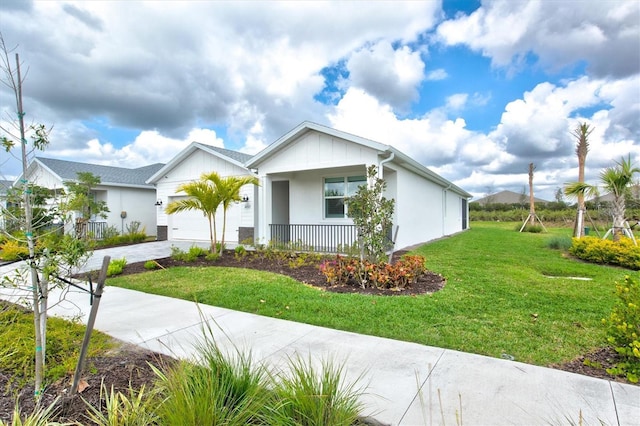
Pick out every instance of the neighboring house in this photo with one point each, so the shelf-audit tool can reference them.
(188, 166)
(304, 177)
(128, 196)
(507, 197)
(634, 195)
(4, 188)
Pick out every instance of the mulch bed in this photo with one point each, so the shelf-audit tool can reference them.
(309, 273)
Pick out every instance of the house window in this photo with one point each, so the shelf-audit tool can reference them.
(336, 190)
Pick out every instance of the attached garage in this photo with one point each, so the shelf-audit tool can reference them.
(193, 225)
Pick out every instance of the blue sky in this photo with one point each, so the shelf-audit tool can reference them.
(474, 90)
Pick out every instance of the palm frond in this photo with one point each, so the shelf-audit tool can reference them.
(575, 189)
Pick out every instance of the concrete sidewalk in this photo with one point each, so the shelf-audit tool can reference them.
(407, 383)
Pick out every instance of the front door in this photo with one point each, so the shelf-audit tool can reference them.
(280, 211)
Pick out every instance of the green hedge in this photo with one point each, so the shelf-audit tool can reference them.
(622, 253)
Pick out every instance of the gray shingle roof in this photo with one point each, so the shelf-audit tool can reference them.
(234, 155)
(68, 170)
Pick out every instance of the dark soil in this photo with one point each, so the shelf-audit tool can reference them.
(306, 270)
(130, 366)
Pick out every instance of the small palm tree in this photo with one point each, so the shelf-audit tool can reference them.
(203, 196)
(228, 190)
(615, 180)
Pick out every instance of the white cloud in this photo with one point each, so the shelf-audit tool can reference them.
(604, 33)
(391, 75)
(148, 147)
(435, 75)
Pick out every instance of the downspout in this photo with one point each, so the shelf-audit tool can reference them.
(383, 162)
(380, 176)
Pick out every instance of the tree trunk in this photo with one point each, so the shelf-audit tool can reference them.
(532, 204)
(28, 213)
(211, 235)
(224, 228)
(618, 217)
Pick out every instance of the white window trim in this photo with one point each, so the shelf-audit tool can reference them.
(344, 178)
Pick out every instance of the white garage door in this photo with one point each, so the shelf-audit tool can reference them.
(193, 225)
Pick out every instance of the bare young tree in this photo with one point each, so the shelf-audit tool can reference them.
(45, 265)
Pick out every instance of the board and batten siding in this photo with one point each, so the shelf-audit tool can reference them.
(315, 150)
(42, 177)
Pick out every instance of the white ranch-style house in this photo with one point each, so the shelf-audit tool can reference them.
(304, 177)
(127, 195)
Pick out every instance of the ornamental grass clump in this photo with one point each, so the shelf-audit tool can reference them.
(623, 329)
(315, 397)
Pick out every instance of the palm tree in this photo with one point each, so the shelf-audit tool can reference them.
(581, 132)
(203, 196)
(228, 190)
(615, 180)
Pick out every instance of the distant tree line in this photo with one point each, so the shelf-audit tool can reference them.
(555, 212)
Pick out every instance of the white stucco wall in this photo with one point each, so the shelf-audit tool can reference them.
(418, 209)
(453, 212)
(138, 204)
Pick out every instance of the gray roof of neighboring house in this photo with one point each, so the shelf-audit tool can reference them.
(507, 197)
(240, 157)
(109, 175)
(634, 190)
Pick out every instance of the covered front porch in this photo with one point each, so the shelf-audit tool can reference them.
(306, 210)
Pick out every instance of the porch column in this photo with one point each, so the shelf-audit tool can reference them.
(264, 210)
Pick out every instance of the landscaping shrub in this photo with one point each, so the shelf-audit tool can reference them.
(116, 267)
(212, 257)
(110, 235)
(240, 252)
(150, 265)
(381, 275)
(623, 329)
(191, 255)
(13, 250)
(623, 253)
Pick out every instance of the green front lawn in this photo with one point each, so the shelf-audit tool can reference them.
(505, 295)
